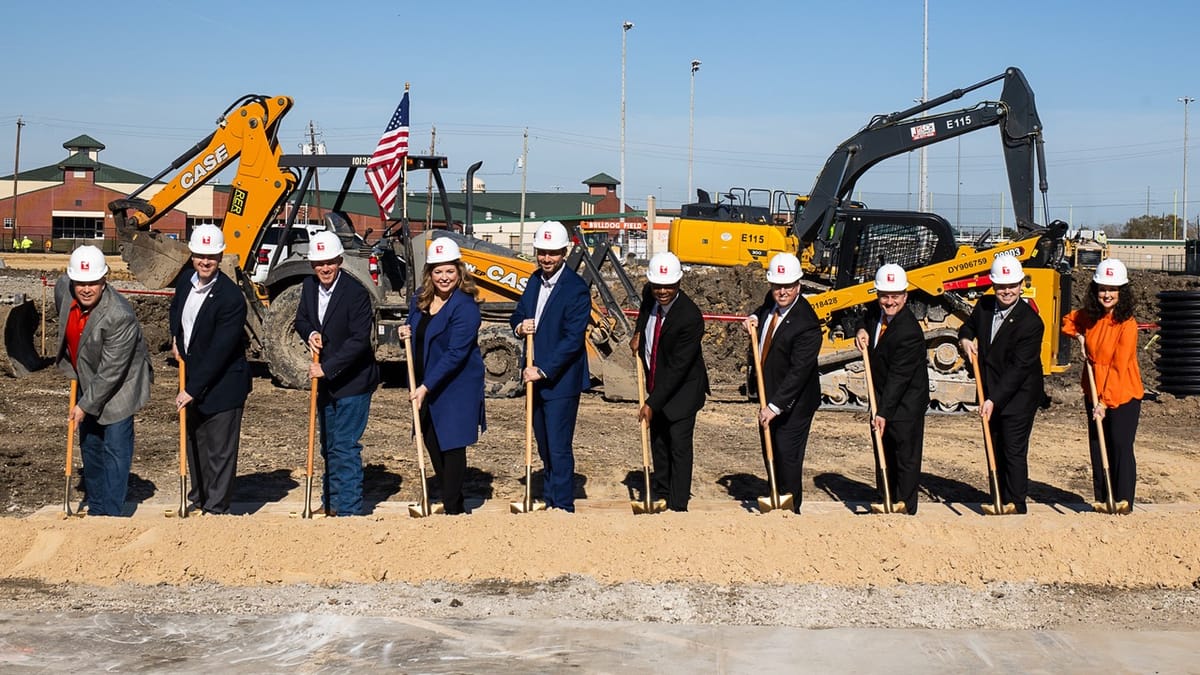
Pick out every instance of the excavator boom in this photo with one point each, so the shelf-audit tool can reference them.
(246, 133)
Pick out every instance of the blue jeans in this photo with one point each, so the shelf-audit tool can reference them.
(342, 423)
(107, 451)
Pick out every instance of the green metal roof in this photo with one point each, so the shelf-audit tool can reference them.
(83, 142)
(601, 179)
(105, 173)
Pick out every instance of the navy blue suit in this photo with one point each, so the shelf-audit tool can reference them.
(344, 394)
(453, 369)
(558, 349)
(218, 380)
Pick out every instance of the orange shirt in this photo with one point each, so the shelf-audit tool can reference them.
(1112, 349)
(76, 321)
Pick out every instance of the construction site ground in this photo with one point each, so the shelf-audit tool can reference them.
(1061, 567)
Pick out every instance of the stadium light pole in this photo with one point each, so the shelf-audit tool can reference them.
(691, 125)
(624, 30)
(1185, 100)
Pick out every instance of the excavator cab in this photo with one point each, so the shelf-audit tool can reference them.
(862, 240)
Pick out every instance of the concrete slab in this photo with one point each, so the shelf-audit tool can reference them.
(312, 642)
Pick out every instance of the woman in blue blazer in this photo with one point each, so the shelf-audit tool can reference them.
(444, 321)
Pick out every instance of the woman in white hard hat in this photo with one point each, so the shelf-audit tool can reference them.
(1107, 331)
(443, 321)
(789, 344)
(112, 364)
(1005, 334)
(208, 328)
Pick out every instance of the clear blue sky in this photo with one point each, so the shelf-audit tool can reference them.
(782, 83)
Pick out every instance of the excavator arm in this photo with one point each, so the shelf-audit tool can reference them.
(890, 135)
(246, 133)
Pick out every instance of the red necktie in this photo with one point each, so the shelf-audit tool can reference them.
(770, 335)
(658, 324)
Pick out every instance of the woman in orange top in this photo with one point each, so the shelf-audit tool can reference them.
(1108, 331)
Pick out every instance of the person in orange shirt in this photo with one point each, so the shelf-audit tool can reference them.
(1106, 328)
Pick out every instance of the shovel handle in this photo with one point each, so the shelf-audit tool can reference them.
(528, 405)
(312, 417)
(1095, 396)
(762, 404)
(876, 441)
(993, 477)
(416, 420)
(182, 423)
(70, 466)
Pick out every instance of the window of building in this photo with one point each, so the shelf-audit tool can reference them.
(8, 223)
(76, 227)
(78, 202)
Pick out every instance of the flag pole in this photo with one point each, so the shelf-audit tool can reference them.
(404, 174)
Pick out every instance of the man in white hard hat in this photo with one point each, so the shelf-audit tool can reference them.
(1005, 334)
(100, 344)
(789, 338)
(892, 338)
(555, 308)
(208, 334)
(667, 338)
(335, 319)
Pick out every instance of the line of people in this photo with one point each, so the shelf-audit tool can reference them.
(101, 345)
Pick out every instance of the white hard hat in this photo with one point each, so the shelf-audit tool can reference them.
(87, 264)
(442, 250)
(664, 269)
(891, 278)
(207, 239)
(324, 246)
(1111, 272)
(551, 236)
(784, 269)
(1007, 270)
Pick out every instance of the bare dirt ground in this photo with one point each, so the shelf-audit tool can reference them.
(720, 563)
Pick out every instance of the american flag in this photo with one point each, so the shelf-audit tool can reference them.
(384, 169)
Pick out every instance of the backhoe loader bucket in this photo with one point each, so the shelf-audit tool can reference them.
(154, 259)
(18, 356)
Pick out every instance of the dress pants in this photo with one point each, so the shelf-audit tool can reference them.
(903, 444)
(1120, 428)
(107, 453)
(1010, 442)
(554, 430)
(450, 466)
(671, 448)
(212, 450)
(342, 423)
(789, 439)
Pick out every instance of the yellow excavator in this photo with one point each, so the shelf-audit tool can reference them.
(388, 265)
(843, 243)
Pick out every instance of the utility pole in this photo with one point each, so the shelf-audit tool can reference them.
(624, 30)
(524, 164)
(691, 125)
(923, 173)
(429, 184)
(1185, 100)
(312, 144)
(16, 172)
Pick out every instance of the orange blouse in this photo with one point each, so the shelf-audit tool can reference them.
(1112, 349)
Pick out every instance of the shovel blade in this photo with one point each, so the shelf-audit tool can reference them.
(784, 502)
(520, 507)
(418, 510)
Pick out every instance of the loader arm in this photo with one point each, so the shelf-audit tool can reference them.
(890, 135)
(246, 133)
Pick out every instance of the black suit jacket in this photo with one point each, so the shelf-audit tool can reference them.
(680, 378)
(218, 377)
(347, 358)
(790, 375)
(1011, 364)
(898, 365)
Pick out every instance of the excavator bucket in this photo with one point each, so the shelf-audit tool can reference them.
(18, 356)
(153, 259)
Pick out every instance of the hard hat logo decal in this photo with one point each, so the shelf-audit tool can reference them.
(438, 248)
(662, 269)
(206, 240)
(320, 246)
(1004, 270)
(1108, 272)
(779, 269)
(891, 277)
(85, 265)
(546, 235)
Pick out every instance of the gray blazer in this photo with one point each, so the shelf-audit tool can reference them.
(114, 370)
